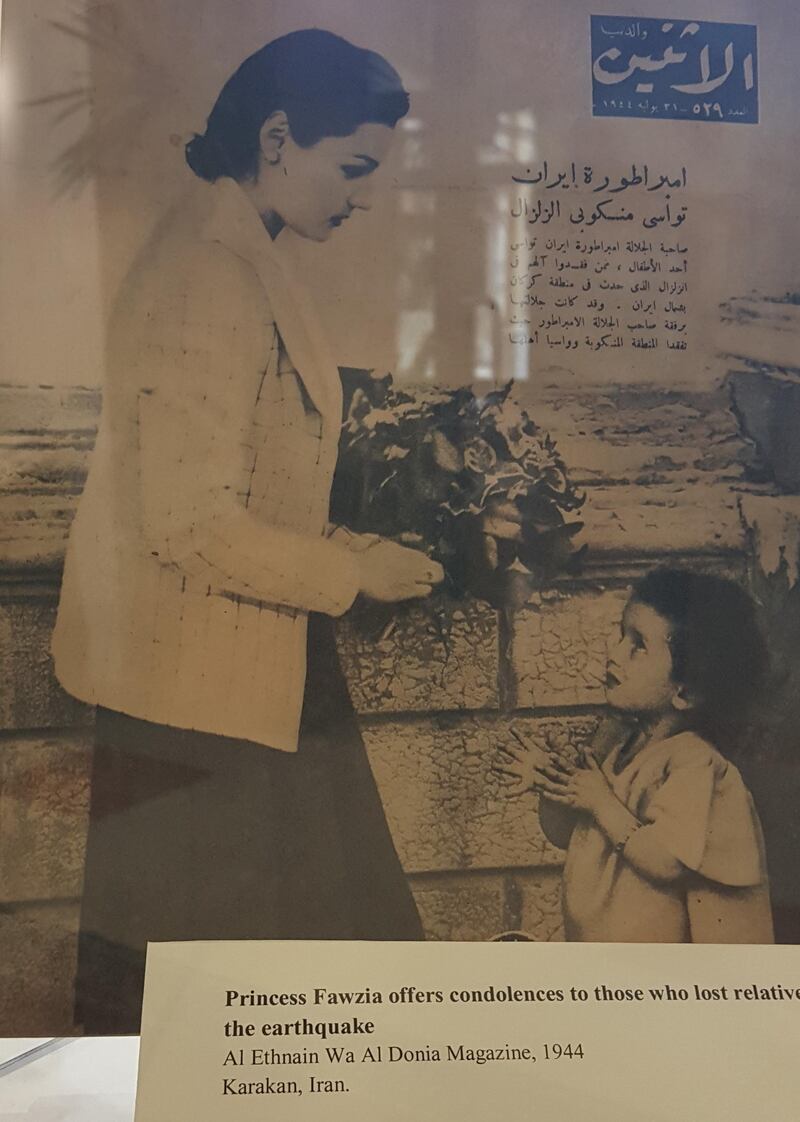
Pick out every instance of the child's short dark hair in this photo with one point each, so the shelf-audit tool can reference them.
(718, 650)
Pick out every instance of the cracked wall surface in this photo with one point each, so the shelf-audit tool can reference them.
(439, 657)
(446, 806)
(560, 647)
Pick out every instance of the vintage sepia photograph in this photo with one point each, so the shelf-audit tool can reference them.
(399, 481)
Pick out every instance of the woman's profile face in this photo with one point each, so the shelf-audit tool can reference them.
(314, 190)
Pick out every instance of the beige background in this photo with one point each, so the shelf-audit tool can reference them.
(410, 287)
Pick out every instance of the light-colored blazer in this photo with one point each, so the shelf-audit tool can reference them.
(202, 540)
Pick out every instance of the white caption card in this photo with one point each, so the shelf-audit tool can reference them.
(469, 1031)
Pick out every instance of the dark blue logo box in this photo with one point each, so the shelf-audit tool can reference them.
(679, 70)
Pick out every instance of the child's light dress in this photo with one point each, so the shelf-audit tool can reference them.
(695, 804)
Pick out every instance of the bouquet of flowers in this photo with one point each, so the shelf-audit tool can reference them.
(427, 466)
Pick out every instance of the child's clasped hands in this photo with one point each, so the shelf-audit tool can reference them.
(532, 765)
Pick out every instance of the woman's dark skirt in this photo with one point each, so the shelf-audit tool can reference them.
(196, 836)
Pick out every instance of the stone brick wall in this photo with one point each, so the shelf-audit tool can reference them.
(664, 472)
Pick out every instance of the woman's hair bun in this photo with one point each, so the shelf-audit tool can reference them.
(197, 157)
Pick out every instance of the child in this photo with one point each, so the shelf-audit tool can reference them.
(663, 841)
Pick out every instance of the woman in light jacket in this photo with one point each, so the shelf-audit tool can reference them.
(231, 794)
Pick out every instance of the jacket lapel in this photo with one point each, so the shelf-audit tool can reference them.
(234, 222)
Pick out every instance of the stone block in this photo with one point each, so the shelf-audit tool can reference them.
(768, 402)
(44, 799)
(466, 907)
(48, 411)
(46, 435)
(539, 893)
(560, 645)
(474, 906)
(441, 656)
(34, 530)
(763, 330)
(692, 518)
(38, 955)
(640, 433)
(446, 807)
(31, 697)
(43, 465)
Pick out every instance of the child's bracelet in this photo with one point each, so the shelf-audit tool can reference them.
(619, 847)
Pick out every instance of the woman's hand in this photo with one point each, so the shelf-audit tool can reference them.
(526, 765)
(390, 572)
(580, 788)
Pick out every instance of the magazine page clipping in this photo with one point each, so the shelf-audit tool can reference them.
(400, 509)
